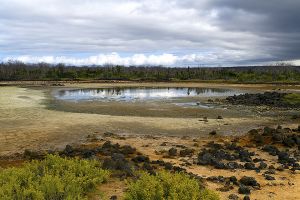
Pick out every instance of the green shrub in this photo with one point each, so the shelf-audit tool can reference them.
(54, 178)
(167, 186)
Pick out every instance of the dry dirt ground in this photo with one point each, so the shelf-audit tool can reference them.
(286, 186)
(27, 123)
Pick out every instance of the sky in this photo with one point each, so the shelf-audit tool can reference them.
(152, 32)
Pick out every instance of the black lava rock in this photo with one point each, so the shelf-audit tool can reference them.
(248, 181)
(262, 165)
(141, 158)
(268, 177)
(172, 152)
(213, 132)
(246, 198)
(244, 189)
(250, 166)
(233, 197)
(289, 142)
(186, 152)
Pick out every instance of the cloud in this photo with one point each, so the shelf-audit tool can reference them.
(204, 59)
(101, 59)
(231, 32)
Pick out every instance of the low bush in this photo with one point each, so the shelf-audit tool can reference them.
(53, 178)
(167, 186)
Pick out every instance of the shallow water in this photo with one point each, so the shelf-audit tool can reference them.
(140, 94)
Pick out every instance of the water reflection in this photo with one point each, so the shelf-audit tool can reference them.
(132, 94)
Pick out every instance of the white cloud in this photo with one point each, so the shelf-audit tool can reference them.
(208, 31)
(207, 58)
(101, 59)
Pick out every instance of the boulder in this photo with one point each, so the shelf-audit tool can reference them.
(244, 189)
(127, 149)
(277, 137)
(248, 181)
(186, 152)
(31, 155)
(68, 151)
(232, 165)
(272, 150)
(168, 166)
(268, 131)
(118, 162)
(172, 152)
(262, 165)
(270, 171)
(140, 158)
(88, 153)
(233, 179)
(205, 159)
(289, 142)
(250, 166)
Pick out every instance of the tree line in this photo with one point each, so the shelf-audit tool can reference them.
(18, 71)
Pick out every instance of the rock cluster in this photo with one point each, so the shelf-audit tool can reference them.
(271, 139)
(274, 99)
(245, 184)
(225, 156)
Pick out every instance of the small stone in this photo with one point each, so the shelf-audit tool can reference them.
(246, 198)
(168, 166)
(269, 178)
(270, 171)
(233, 179)
(233, 197)
(114, 197)
(213, 132)
(163, 144)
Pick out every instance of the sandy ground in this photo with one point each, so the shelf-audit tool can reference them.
(286, 185)
(26, 123)
(95, 84)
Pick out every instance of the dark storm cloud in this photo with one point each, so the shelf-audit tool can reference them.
(279, 16)
(173, 32)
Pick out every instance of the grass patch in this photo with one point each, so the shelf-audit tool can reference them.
(168, 186)
(54, 178)
(293, 98)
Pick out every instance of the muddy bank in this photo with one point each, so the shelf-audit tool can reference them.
(26, 122)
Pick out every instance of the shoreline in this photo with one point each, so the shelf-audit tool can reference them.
(26, 122)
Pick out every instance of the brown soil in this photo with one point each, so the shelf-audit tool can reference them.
(26, 123)
(286, 185)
